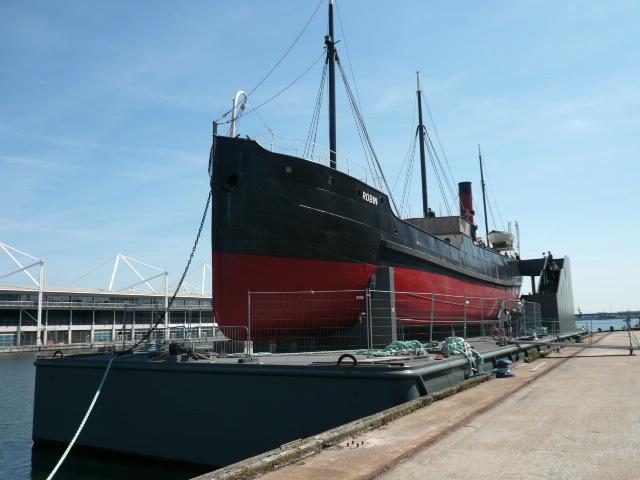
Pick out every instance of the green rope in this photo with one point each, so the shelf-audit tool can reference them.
(399, 348)
(459, 346)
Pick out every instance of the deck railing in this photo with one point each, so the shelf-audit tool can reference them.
(317, 153)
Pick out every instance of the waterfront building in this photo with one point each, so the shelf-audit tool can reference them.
(79, 316)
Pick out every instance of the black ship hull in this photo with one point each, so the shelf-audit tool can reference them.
(284, 224)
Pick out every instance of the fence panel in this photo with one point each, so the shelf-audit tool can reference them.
(432, 317)
(294, 322)
(311, 321)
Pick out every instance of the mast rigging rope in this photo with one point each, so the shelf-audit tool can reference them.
(406, 192)
(437, 174)
(291, 84)
(435, 130)
(346, 46)
(288, 49)
(310, 144)
(363, 126)
(277, 64)
(411, 142)
(434, 154)
(495, 201)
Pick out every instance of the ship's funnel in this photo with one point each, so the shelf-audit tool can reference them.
(466, 201)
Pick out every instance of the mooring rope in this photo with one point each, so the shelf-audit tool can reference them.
(84, 421)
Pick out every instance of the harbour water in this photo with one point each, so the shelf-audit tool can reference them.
(19, 461)
(603, 324)
(17, 377)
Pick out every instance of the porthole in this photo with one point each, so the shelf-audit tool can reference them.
(288, 169)
(331, 181)
(231, 182)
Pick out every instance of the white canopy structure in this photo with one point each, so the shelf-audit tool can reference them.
(14, 254)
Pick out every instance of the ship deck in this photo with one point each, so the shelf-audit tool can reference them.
(488, 349)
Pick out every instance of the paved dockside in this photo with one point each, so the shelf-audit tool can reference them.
(559, 417)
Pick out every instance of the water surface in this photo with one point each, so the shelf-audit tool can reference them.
(19, 461)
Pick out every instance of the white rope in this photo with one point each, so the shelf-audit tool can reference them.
(84, 420)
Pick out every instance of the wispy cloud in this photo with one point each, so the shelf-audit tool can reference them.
(390, 99)
(578, 124)
(73, 142)
(37, 162)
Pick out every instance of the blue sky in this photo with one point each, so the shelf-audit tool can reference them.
(106, 110)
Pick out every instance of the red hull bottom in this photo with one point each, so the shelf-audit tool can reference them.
(235, 275)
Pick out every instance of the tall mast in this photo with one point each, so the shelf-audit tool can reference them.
(484, 198)
(329, 41)
(423, 165)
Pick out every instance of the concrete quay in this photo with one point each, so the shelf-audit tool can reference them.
(572, 415)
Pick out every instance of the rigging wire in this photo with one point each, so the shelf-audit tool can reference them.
(406, 191)
(277, 64)
(263, 122)
(407, 157)
(433, 152)
(289, 85)
(444, 176)
(352, 100)
(452, 178)
(411, 141)
(370, 165)
(409, 160)
(407, 208)
(288, 49)
(359, 112)
(309, 147)
(491, 216)
(358, 104)
(437, 175)
(495, 201)
(346, 47)
(367, 155)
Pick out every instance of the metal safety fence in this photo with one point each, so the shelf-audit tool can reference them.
(223, 341)
(313, 321)
(594, 325)
(290, 322)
